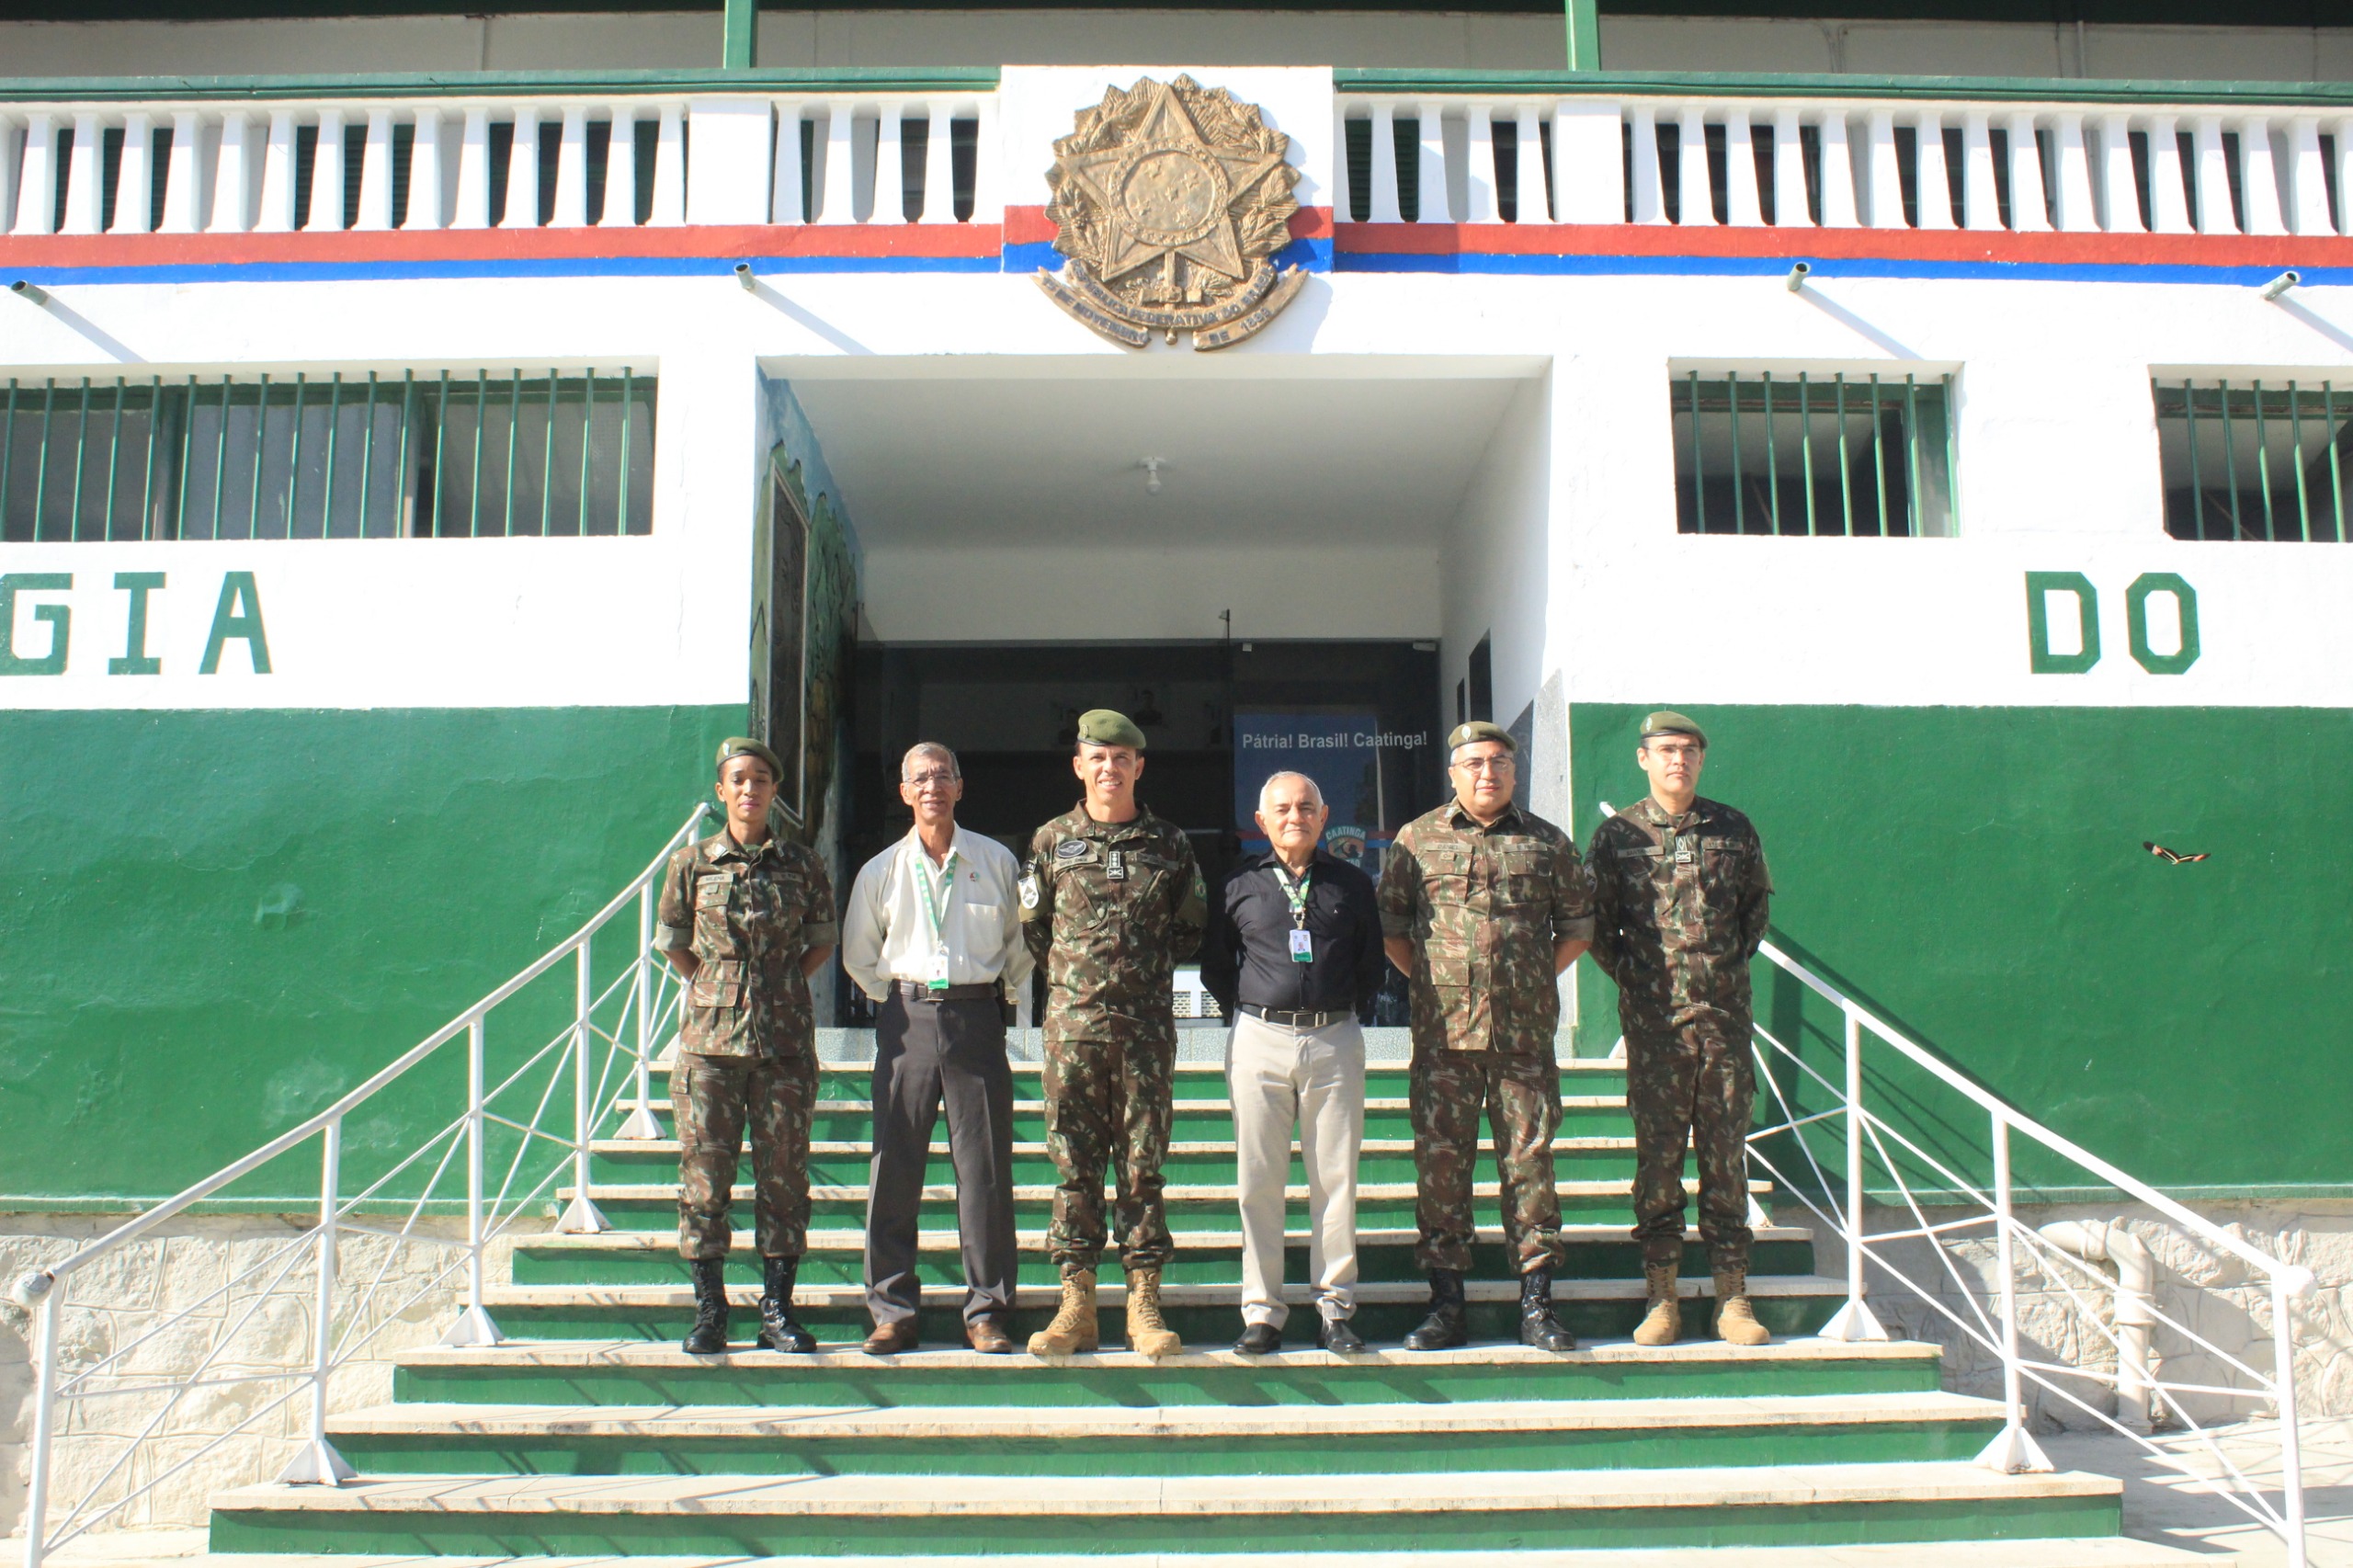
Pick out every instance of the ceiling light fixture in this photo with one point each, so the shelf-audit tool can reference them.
(1152, 467)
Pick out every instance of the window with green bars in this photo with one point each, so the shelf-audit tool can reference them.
(341, 456)
(1843, 454)
(2255, 459)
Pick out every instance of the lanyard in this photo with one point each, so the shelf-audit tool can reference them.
(936, 900)
(1296, 893)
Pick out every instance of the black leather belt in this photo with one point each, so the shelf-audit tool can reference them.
(1296, 1021)
(916, 990)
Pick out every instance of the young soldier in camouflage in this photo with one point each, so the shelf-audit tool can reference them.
(1680, 898)
(1111, 899)
(746, 918)
(1483, 906)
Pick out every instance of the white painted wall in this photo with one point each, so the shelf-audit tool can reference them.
(1437, 41)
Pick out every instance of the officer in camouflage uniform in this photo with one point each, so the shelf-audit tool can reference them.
(746, 918)
(1680, 897)
(1111, 898)
(1483, 906)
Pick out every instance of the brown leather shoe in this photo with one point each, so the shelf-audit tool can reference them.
(889, 1338)
(988, 1337)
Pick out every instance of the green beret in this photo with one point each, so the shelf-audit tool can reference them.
(1102, 727)
(1479, 730)
(745, 745)
(1667, 722)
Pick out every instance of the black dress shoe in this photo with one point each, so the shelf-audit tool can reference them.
(1335, 1335)
(1259, 1339)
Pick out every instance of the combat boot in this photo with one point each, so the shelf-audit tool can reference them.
(1148, 1332)
(709, 1336)
(1663, 1322)
(778, 1331)
(1074, 1327)
(1735, 1322)
(1449, 1324)
(1538, 1326)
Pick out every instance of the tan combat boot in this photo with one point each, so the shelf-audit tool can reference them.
(1073, 1329)
(1735, 1324)
(1663, 1322)
(1148, 1332)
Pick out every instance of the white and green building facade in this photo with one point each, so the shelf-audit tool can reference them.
(426, 435)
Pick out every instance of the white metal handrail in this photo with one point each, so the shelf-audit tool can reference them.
(1867, 1138)
(631, 1014)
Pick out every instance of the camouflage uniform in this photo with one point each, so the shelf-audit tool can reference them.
(747, 1040)
(1107, 909)
(1485, 908)
(1681, 902)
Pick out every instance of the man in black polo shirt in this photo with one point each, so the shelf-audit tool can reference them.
(1292, 954)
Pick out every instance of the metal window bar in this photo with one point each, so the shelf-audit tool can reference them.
(266, 456)
(1754, 455)
(2221, 447)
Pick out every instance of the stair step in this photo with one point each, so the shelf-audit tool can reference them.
(1186, 1441)
(641, 1373)
(1451, 1511)
(1386, 1116)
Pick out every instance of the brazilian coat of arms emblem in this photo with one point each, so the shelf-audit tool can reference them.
(1170, 200)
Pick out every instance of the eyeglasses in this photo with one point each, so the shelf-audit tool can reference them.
(1485, 765)
(931, 781)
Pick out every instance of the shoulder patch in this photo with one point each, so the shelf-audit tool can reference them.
(1029, 892)
(1070, 849)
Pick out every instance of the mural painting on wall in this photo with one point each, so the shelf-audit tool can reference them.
(804, 626)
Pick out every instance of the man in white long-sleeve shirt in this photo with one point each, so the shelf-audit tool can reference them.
(933, 934)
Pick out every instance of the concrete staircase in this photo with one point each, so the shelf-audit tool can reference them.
(588, 1433)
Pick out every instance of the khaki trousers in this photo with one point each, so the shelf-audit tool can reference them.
(1279, 1076)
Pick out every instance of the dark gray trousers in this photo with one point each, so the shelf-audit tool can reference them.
(926, 1052)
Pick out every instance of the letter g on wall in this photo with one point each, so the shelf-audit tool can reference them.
(60, 618)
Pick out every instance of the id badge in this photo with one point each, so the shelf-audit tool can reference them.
(1302, 947)
(936, 977)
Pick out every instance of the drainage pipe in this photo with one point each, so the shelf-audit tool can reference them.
(2106, 1241)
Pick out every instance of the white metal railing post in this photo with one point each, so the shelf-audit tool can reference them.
(2012, 1449)
(581, 1217)
(44, 1416)
(1854, 1321)
(640, 1126)
(473, 1325)
(318, 1464)
(2292, 1454)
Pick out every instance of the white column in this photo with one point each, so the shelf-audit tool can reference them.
(1432, 164)
(1535, 184)
(2168, 194)
(1743, 206)
(836, 205)
(1384, 209)
(2120, 190)
(572, 170)
(1789, 208)
(1885, 184)
(2344, 172)
(425, 173)
(277, 192)
(9, 137)
(2213, 193)
(938, 166)
(178, 216)
(728, 154)
(85, 183)
(669, 170)
(37, 189)
(232, 175)
(522, 208)
(2307, 182)
(1695, 199)
(376, 173)
(1479, 195)
(1838, 174)
(2258, 177)
(988, 164)
(2072, 181)
(1649, 204)
(784, 199)
(1981, 206)
(134, 193)
(620, 170)
(890, 165)
(1935, 180)
(473, 172)
(327, 176)
(2029, 209)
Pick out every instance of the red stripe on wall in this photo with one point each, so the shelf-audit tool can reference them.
(720, 241)
(1029, 226)
(1892, 245)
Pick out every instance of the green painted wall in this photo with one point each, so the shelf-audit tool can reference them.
(1977, 876)
(216, 921)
